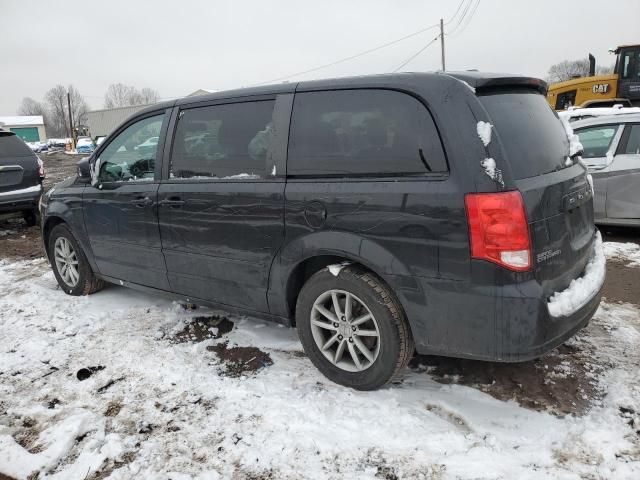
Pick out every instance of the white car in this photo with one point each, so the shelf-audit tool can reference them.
(612, 154)
(150, 142)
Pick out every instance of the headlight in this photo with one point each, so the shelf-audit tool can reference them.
(44, 198)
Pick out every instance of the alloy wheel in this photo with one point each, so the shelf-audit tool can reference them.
(66, 261)
(345, 330)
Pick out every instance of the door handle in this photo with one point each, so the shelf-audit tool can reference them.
(142, 202)
(172, 202)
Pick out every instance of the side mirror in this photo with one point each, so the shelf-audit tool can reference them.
(84, 169)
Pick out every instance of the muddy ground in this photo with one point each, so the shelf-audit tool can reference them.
(561, 382)
(17, 241)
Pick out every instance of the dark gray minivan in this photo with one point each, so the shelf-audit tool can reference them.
(378, 214)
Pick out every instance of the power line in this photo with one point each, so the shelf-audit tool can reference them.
(473, 11)
(466, 9)
(455, 14)
(462, 17)
(415, 54)
(371, 50)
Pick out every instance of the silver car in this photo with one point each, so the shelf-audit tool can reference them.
(612, 153)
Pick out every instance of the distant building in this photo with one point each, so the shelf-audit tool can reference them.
(102, 122)
(29, 128)
(201, 91)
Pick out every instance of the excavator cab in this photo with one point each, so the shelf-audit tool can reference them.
(628, 71)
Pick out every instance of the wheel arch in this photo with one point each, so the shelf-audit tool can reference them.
(49, 224)
(300, 259)
(58, 218)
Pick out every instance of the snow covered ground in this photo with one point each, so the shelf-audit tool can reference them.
(158, 403)
(627, 252)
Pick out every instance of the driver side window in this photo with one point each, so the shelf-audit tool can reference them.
(131, 156)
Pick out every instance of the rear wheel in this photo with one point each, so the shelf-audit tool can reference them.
(352, 328)
(70, 265)
(30, 217)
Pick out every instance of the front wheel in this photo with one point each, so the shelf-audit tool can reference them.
(70, 266)
(352, 328)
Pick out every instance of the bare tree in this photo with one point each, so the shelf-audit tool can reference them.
(121, 95)
(56, 99)
(29, 106)
(567, 70)
(79, 107)
(604, 70)
(149, 95)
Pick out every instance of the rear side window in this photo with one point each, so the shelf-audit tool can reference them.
(362, 132)
(229, 141)
(596, 140)
(530, 131)
(12, 146)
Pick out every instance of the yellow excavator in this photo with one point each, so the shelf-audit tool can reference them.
(621, 87)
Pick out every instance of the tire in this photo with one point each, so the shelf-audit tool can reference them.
(389, 352)
(30, 217)
(86, 282)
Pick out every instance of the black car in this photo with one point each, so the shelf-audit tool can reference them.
(21, 175)
(379, 215)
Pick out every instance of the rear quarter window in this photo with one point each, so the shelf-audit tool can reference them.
(530, 131)
(12, 146)
(366, 132)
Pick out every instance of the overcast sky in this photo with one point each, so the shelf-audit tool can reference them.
(178, 46)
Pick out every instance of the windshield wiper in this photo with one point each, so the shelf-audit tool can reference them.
(424, 160)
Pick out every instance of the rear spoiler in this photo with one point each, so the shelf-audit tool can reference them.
(484, 82)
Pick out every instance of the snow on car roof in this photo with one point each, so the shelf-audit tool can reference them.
(606, 119)
(598, 112)
(22, 120)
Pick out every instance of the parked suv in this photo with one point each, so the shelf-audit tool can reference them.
(612, 153)
(21, 175)
(374, 213)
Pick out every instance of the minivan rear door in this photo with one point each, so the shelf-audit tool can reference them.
(221, 201)
(556, 192)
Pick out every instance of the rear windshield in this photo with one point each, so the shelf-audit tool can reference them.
(12, 146)
(530, 131)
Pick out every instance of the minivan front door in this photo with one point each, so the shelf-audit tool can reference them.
(120, 207)
(623, 183)
(221, 202)
(599, 143)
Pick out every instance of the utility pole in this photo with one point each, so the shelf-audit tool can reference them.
(442, 43)
(73, 140)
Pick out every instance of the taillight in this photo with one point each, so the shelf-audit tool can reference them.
(40, 169)
(498, 229)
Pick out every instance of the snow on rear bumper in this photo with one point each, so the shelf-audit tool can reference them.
(581, 290)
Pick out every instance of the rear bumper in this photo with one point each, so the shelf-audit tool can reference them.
(22, 199)
(494, 321)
